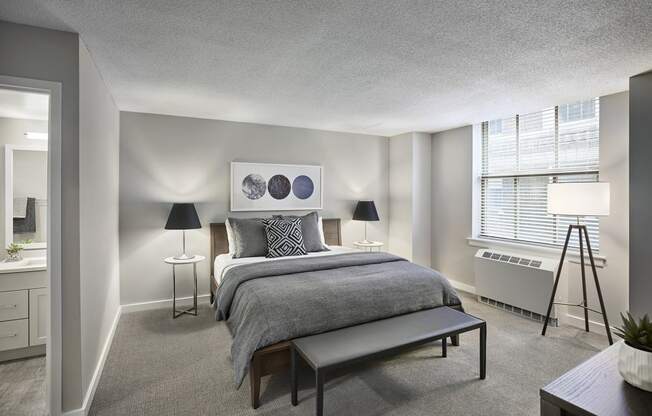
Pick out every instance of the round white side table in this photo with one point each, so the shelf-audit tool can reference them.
(368, 245)
(178, 262)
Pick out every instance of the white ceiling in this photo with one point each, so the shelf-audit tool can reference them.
(24, 105)
(377, 67)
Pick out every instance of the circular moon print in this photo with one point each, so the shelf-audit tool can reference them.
(278, 186)
(302, 187)
(253, 186)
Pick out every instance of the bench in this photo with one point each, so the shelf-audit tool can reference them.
(343, 347)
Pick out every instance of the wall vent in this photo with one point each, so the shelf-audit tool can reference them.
(533, 316)
(516, 282)
(506, 258)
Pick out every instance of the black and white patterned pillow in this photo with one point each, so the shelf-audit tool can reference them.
(284, 237)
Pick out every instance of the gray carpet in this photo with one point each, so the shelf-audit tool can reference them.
(23, 387)
(160, 366)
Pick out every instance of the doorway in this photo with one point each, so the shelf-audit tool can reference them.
(30, 256)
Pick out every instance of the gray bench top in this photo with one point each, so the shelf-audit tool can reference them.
(361, 341)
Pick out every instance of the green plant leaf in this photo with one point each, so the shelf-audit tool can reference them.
(636, 333)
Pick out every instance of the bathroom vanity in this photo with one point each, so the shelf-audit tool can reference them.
(24, 308)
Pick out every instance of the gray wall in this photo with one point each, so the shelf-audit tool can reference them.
(640, 174)
(452, 211)
(51, 55)
(614, 229)
(99, 149)
(452, 165)
(166, 159)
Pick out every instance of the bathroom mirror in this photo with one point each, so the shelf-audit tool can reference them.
(26, 189)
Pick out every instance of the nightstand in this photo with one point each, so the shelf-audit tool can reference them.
(368, 245)
(178, 262)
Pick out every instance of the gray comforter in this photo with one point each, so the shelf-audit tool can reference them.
(269, 302)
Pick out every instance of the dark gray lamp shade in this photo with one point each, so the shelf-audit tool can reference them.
(183, 217)
(366, 211)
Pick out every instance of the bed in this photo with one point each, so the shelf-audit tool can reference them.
(266, 303)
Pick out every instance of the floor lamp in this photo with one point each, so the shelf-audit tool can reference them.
(579, 200)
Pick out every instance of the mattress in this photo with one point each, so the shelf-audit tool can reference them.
(224, 262)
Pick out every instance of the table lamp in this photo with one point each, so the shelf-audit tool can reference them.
(365, 211)
(579, 200)
(184, 217)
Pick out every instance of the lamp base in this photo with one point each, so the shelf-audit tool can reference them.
(582, 237)
(184, 256)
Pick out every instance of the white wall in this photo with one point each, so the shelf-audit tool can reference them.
(614, 229)
(30, 174)
(400, 191)
(165, 159)
(30, 179)
(12, 131)
(98, 194)
(421, 198)
(409, 190)
(452, 167)
(452, 206)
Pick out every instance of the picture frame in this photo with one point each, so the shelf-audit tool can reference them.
(276, 187)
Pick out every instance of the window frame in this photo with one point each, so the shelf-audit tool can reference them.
(477, 238)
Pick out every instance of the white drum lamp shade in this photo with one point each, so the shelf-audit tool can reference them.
(579, 199)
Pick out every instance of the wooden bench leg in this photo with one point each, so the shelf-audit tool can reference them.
(294, 377)
(319, 385)
(455, 340)
(254, 382)
(483, 351)
(444, 345)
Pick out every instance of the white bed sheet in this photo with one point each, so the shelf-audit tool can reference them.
(224, 262)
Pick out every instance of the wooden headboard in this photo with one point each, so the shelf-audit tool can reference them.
(220, 243)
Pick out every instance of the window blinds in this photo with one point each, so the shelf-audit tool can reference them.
(521, 155)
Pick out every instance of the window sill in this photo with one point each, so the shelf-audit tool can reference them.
(572, 256)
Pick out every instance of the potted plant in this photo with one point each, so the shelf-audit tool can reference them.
(13, 252)
(635, 358)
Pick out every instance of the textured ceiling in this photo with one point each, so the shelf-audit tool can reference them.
(377, 67)
(25, 105)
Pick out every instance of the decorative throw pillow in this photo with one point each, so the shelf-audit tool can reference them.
(249, 237)
(310, 227)
(230, 237)
(284, 237)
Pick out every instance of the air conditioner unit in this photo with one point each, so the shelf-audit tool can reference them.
(517, 282)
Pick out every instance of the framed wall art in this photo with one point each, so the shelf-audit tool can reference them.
(275, 187)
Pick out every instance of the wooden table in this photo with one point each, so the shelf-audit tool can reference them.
(595, 387)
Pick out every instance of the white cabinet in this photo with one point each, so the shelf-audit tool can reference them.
(13, 305)
(39, 306)
(13, 334)
(24, 313)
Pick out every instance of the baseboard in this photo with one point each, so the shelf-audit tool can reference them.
(90, 393)
(76, 412)
(20, 353)
(158, 304)
(578, 322)
(462, 286)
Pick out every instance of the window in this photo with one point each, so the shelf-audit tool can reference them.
(521, 155)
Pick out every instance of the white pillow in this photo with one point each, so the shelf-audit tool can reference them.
(229, 236)
(320, 225)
